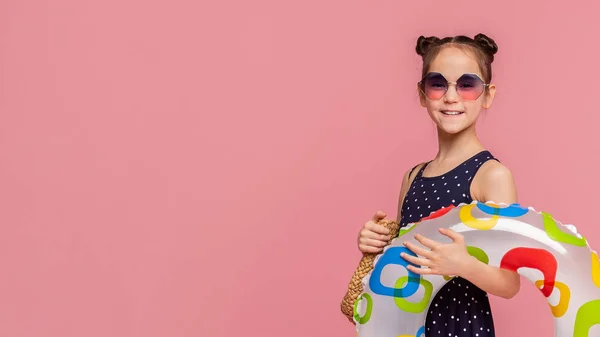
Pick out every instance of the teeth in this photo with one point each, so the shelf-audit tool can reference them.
(451, 112)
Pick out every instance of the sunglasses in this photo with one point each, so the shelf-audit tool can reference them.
(469, 86)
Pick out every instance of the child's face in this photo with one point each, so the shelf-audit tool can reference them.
(453, 113)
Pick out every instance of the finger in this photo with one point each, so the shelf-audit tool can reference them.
(418, 250)
(377, 228)
(373, 243)
(369, 249)
(416, 260)
(456, 237)
(375, 236)
(426, 241)
(379, 215)
(422, 271)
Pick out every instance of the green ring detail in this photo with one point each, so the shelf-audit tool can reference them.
(587, 316)
(417, 307)
(364, 319)
(404, 231)
(556, 234)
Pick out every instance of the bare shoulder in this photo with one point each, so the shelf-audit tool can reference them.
(495, 172)
(494, 182)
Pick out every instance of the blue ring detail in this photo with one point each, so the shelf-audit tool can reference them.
(512, 211)
(392, 256)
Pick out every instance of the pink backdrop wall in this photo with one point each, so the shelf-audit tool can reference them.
(183, 168)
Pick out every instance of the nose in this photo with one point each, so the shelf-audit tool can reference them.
(451, 95)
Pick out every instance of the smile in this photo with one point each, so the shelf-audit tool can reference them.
(452, 113)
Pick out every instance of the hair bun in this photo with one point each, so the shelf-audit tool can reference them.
(487, 44)
(424, 44)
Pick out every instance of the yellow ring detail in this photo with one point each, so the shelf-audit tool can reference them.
(468, 219)
(595, 269)
(565, 297)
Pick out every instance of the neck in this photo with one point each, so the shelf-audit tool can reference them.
(458, 146)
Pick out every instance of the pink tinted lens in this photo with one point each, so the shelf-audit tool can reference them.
(469, 87)
(434, 85)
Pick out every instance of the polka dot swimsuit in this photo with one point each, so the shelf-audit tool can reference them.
(460, 309)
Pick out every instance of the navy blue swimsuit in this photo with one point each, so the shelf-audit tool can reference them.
(460, 309)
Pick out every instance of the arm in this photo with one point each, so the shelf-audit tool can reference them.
(494, 182)
(496, 281)
(372, 237)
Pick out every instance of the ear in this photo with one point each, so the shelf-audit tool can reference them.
(489, 96)
(422, 97)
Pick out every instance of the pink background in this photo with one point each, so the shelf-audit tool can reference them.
(183, 168)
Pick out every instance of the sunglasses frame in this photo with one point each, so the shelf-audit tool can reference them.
(420, 83)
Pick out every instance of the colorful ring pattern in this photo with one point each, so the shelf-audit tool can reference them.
(392, 257)
(515, 258)
(405, 305)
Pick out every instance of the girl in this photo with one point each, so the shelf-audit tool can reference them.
(455, 88)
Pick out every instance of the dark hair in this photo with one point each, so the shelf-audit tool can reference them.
(482, 46)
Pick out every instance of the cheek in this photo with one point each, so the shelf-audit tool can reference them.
(431, 110)
(474, 108)
(433, 105)
(473, 113)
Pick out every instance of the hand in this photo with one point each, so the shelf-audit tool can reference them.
(439, 259)
(373, 236)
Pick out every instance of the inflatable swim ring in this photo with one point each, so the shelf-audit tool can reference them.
(394, 301)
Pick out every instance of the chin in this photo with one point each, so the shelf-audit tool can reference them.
(452, 129)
